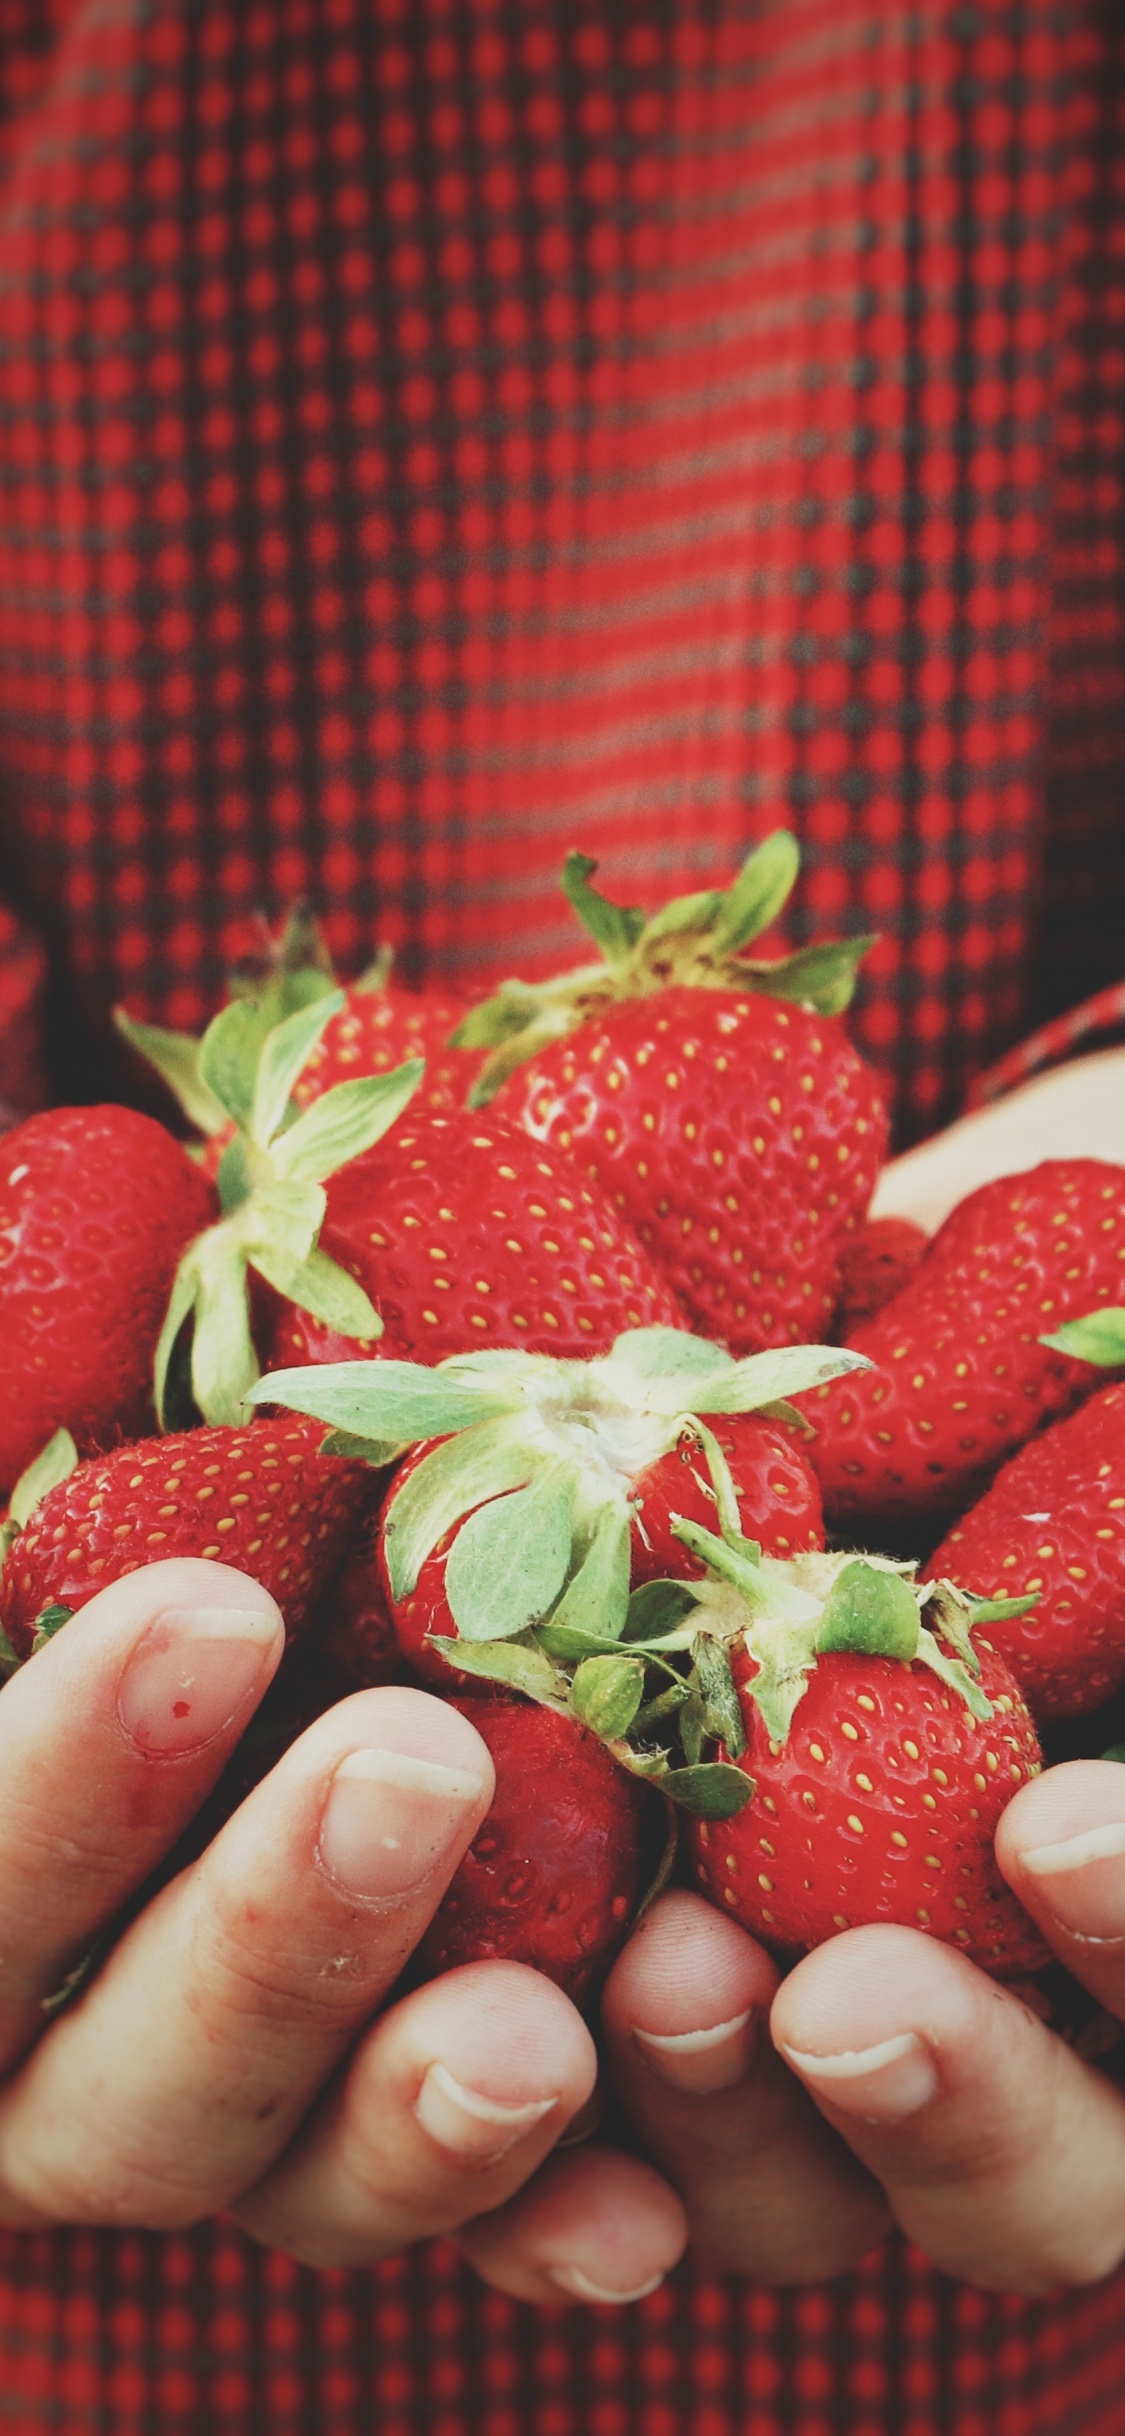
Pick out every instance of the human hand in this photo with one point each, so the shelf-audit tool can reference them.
(885, 2080)
(225, 2055)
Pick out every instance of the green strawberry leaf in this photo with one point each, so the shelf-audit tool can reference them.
(683, 915)
(344, 1123)
(953, 1672)
(614, 928)
(510, 1559)
(458, 1475)
(998, 1611)
(228, 1058)
(512, 1663)
(693, 1729)
(49, 1621)
(1099, 1337)
(396, 1402)
(1115, 1752)
(508, 1012)
(184, 1297)
(769, 1378)
(596, 1599)
(711, 1791)
(284, 1052)
(823, 978)
(54, 1462)
(567, 1641)
(175, 1057)
(10, 1661)
(756, 898)
(870, 1611)
(377, 1452)
(606, 1693)
(656, 1608)
(673, 1370)
(327, 1292)
(224, 1364)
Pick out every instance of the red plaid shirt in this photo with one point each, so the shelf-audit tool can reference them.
(438, 431)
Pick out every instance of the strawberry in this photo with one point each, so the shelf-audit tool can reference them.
(376, 1028)
(876, 1263)
(1053, 1523)
(879, 1755)
(96, 1207)
(552, 1485)
(462, 1233)
(263, 1498)
(961, 1375)
(353, 1631)
(555, 1875)
(717, 1101)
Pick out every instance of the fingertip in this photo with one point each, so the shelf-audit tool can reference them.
(595, 2227)
(506, 2032)
(686, 1969)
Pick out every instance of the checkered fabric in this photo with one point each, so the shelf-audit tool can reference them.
(436, 432)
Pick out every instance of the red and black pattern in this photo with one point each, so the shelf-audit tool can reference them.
(437, 432)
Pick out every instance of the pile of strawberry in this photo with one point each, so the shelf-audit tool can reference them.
(532, 1352)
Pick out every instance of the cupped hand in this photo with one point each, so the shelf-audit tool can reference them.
(883, 2081)
(231, 2051)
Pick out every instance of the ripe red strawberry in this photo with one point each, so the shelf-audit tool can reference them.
(879, 1760)
(463, 1234)
(877, 1262)
(563, 1478)
(1053, 1523)
(556, 1873)
(961, 1374)
(718, 1102)
(353, 1629)
(263, 1498)
(96, 1207)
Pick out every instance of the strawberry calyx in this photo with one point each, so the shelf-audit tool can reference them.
(788, 1614)
(291, 968)
(546, 1451)
(696, 941)
(271, 1190)
(536, 1461)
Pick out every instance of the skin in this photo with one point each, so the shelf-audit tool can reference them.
(280, 2077)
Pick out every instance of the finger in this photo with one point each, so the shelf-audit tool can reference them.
(449, 2103)
(234, 1995)
(769, 2191)
(593, 2226)
(1061, 1846)
(110, 1739)
(1002, 2154)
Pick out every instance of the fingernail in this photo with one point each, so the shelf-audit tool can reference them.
(582, 2288)
(701, 2062)
(882, 2084)
(390, 1818)
(1084, 1882)
(477, 2129)
(193, 1672)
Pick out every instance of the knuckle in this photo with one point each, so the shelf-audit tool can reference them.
(246, 1967)
(107, 2189)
